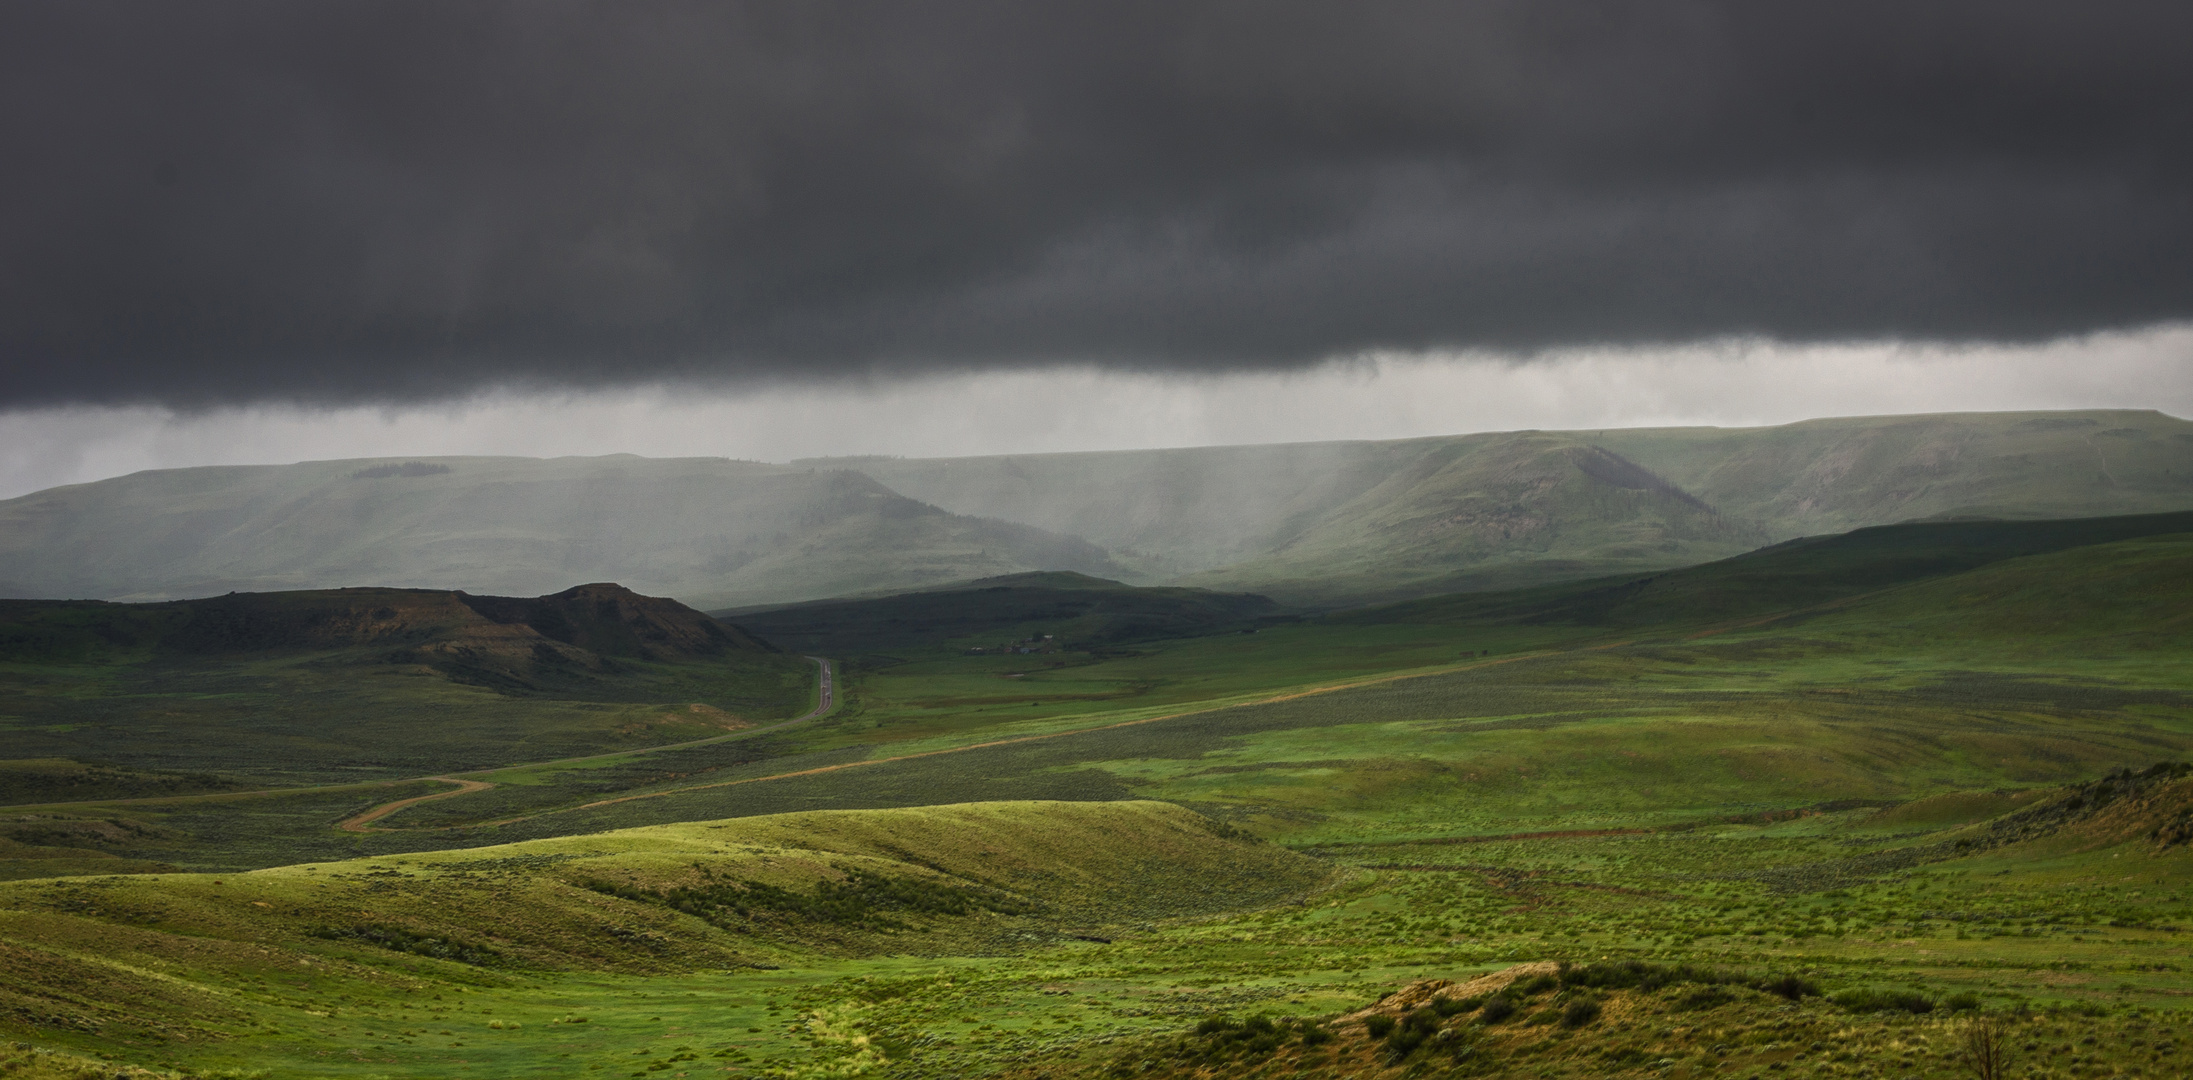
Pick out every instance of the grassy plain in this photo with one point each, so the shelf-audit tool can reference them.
(1927, 797)
(416, 966)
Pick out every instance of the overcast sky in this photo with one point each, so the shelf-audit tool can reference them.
(981, 225)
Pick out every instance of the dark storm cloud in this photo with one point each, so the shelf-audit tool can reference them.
(221, 201)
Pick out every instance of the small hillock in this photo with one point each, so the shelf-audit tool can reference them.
(1556, 1020)
(609, 620)
(2151, 806)
(342, 685)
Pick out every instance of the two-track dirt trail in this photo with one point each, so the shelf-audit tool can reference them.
(1290, 695)
(359, 823)
(825, 697)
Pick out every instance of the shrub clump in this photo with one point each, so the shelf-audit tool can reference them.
(863, 899)
(1457, 1006)
(1871, 1000)
(397, 939)
(1220, 1038)
(1638, 975)
(1412, 1031)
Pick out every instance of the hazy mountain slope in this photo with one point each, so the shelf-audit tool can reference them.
(1331, 522)
(1170, 511)
(2069, 573)
(709, 531)
(1322, 521)
(1527, 505)
(1823, 476)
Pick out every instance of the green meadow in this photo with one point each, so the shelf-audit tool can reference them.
(1830, 808)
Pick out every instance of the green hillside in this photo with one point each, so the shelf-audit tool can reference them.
(1829, 808)
(1040, 611)
(358, 684)
(709, 531)
(506, 952)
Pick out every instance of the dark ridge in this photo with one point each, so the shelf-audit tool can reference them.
(1785, 576)
(408, 468)
(1078, 611)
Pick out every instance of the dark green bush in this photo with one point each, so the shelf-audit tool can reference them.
(396, 939)
(1379, 1025)
(863, 899)
(1961, 1002)
(1535, 985)
(1496, 1008)
(1638, 975)
(1705, 997)
(1403, 1040)
(1871, 1000)
(1789, 986)
(1580, 1012)
(1219, 1038)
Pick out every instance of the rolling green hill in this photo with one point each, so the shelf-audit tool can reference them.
(1045, 611)
(282, 966)
(367, 683)
(709, 531)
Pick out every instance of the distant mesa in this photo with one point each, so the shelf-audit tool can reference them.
(408, 468)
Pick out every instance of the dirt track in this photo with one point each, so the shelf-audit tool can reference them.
(1349, 684)
(361, 822)
(825, 697)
